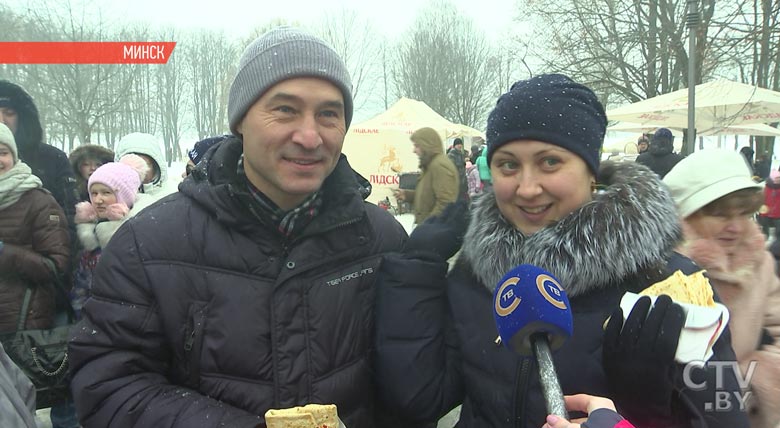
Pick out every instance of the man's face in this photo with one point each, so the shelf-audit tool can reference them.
(9, 117)
(293, 136)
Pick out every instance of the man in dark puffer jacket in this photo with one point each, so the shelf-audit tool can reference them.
(251, 288)
(660, 157)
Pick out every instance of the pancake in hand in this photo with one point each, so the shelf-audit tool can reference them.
(308, 416)
(694, 289)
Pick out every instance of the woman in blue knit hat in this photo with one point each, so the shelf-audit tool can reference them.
(436, 343)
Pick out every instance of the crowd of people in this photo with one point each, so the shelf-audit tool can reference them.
(265, 280)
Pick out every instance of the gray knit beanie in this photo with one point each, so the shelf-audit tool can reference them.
(280, 54)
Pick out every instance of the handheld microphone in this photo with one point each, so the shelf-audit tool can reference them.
(533, 318)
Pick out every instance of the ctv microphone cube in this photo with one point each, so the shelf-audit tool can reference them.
(528, 301)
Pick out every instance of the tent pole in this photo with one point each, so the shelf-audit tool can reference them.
(692, 22)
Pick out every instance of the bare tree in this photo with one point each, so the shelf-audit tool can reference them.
(171, 87)
(445, 61)
(750, 44)
(74, 97)
(627, 50)
(356, 41)
(211, 60)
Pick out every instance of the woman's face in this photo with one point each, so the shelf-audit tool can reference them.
(6, 159)
(101, 196)
(537, 183)
(727, 228)
(88, 167)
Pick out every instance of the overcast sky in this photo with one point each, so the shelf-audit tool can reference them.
(238, 17)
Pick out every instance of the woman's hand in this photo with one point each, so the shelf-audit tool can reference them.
(579, 403)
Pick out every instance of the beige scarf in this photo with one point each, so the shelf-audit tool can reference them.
(15, 183)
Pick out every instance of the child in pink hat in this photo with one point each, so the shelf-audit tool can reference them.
(113, 191)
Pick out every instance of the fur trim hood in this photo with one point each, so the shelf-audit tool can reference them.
(89, 151)
(629, 227)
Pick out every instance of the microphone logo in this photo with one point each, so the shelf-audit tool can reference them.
(551, 290)
(506, 299)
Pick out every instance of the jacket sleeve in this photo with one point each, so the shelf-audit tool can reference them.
(445, 188)
(50, 240)
(710, 395)
(65, 191)
(17, 395)
(417, 362)
(120, 355)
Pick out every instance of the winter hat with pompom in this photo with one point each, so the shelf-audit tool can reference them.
(123, 177)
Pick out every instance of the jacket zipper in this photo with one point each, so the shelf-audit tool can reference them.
(521, 386)
(192, 358)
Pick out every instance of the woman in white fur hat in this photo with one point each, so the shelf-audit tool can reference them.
(717, 200)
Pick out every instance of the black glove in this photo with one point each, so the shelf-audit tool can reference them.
(639, 359)
(439, 237)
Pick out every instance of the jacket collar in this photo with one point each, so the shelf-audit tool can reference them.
(629, 227)
(215, 184)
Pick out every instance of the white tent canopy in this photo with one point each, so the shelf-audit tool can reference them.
(379, 148)
(758, 129)
(719, 104)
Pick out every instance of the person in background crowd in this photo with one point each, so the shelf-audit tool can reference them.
(48, 163)
(763, 166)
(747, 154)
(717, 199)
(34, 250)
(84, 160)
(17, 395)
(476, 149)
(198, 151)
(769, 213)
(436, 332)
(156, 184)
(252, 287)
(642, 144)
(148, 148)
(472, 178)
(113, 192)
(438, 184)
(660, 157)
(458, 157)
(484, 170)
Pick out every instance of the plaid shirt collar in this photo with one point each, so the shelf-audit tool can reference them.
(287, 223)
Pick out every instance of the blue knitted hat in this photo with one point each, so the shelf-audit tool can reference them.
(554, 109)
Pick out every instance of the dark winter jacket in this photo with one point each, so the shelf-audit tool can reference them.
(31, 230)
(47, 162)
(458, 158)
(202, 317)
(660, 157)
(437, 339)
(81, 154)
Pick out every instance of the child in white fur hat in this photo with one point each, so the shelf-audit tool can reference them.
(113, 191)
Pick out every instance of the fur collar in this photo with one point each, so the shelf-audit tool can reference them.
(735, 267)
(630, 226)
